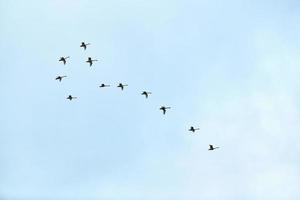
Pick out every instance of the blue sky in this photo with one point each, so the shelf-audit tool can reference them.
(229, 67)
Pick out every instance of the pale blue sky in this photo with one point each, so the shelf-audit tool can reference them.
(230, 67)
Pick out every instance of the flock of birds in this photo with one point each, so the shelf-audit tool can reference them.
(90, 61)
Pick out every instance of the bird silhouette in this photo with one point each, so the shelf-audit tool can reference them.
(60, 78)
(146, 93)
(193, 129)
(211, 147)
(84, 45)
(122, 86)
(90, 61)
(164, 109)
(64, 59)
(103, 85)
(70, 97)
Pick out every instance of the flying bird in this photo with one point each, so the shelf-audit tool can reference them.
(211, 147)
(122, 86)
(84, 45)
(146, 93)
(64, 59)
(70, 97)
(164, 109)
(60, 78)
(103, 85)
(90, 61)
(193, 129)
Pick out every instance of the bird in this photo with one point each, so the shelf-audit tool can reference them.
(103, 85)
(70, 97)
(122, 86)
(64, 59)
(90, 61)
(146, 93)
(193, 129)
(164, 109)
(211, 147)
(60, 78)
(83, 44)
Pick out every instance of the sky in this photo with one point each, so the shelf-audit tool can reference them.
(229, 67)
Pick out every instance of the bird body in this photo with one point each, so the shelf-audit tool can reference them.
(164, 109)
(122, 86)
(60, 78)
(90, 61)
(84, 45)
(211, 147)
(103, 85)
(64, 59)
(192, 129)
(70, 97)
(146, 93)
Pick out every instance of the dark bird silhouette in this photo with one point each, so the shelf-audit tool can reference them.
(84, 45)
(60, 78)
(122, 86)
(90, 61)
(193, 129)
(64, 59)
(164, 109)
(103, 85)
(70, 97)
(146, 93)
(211, 147)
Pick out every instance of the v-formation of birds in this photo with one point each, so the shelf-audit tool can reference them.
(122, 86)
